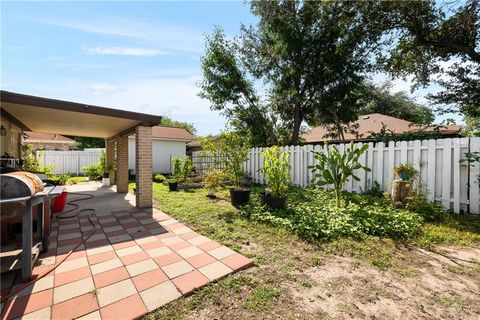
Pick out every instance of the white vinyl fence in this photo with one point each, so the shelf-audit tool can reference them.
(444, 177)
(70, 161)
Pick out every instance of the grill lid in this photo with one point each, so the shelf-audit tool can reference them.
(19, 184)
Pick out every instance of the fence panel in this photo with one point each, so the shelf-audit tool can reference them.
(70, 161)
(443, 176)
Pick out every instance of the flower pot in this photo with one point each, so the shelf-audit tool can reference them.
(404, 176)
(173, 186)
(59, 202)
(239, 198)
(272, 201)
(106, 182)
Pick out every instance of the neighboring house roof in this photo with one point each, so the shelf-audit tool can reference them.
(196, 142)
(171, 133)
(366, 124)
(38, 137)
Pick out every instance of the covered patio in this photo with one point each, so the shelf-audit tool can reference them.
(136, 261)
(122, 258)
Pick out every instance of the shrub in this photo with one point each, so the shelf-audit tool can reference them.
(313, 215)
(157, 177)
(187, 168)
(176, 169)
(60, 179)
(213, 179)
(430, 211)
(93, 171)
(335, 168)
(276, 168)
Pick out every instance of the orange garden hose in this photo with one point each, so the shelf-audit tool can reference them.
(68, 254)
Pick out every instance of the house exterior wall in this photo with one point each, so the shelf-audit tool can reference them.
(162, 152)
(11, 143)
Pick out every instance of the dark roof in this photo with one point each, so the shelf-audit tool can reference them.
(196, 142)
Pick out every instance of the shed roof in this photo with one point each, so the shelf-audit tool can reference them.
(173, 133)
(46, 137)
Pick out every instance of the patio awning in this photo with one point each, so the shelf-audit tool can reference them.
(40, 114)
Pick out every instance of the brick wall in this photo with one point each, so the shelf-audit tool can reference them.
(122, 164)
(143, 167)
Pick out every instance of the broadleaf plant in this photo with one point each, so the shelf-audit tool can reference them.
(334, 168)
(276, 168)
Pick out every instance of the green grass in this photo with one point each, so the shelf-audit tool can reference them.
(75, 180)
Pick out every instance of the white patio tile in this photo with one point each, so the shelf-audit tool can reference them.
(221, 252)
(159, 295)
(141, 267)
(115, 292)
(72, 290)
(215, 270)
(105, 266)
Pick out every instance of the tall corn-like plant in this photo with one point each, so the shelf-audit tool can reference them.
(335, 168)
(276, 168)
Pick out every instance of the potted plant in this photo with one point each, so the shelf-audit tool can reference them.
(276, 168)
(212, 181)
(106, 175)
(176, 173)
(406, 172)
(60, 201)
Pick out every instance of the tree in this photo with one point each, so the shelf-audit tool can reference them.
(88, 142)
(167, 121)
(378, 99)
(310, 56)
(428, 36)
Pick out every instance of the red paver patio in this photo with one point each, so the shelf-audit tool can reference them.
(137, 261)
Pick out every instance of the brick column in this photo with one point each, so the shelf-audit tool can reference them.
(122, 164)
(143, 166)
(110, 158)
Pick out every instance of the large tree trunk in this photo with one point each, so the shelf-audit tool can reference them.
(400, 192)
(297, 121)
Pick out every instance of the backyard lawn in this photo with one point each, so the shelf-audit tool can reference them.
(432, 274)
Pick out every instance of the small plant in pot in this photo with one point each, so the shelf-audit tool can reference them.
(176, 174)
(406, 172)
(60, 201)
(213, 181)
(276, 168)
(106, 175)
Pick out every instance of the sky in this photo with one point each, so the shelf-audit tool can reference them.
(138, 56)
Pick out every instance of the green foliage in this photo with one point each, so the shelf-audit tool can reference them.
(31, 160)
(94, 171)
(176, 169)
(157, 177)
(313, 215)
(334, 168)
(168, 122)
(60, 179)
(406, 172)
(276, 168)
(378, 99)
(213, 179)
(430, 211)
(87, 142)
(187, 168)
(386, 135)
(75, 180)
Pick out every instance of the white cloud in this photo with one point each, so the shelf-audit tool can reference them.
(99, 88)
(124, 51)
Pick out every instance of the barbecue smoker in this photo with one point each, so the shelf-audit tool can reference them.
(20, 192)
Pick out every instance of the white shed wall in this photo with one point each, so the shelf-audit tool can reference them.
(162, 152)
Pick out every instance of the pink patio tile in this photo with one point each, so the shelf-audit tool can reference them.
(74, 255)
(201, 260)
(207, 246)
(107, 278)
(133, 258)
(140, 234)
(75, 307)
(96, 243)
(27, 304)
(179, 245)
(165, 235)
(131, 225)
(237, 261)
(71, 276)
(128, 308)
(168, 259)
(189, 235)
(101, 257)
(69, 242)
(151, 245)
(125, 244)
(149, 279)
(188, 282)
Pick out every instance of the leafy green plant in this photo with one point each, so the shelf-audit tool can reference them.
(187, 168)
(213, 179)
(176, 170)
(157, 177)
(93, 171)
(334, 168)
(276, 168)
(60, 179)
(406, 172)
(31, 160)
(430, 211)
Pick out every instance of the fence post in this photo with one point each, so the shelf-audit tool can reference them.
(474, 179)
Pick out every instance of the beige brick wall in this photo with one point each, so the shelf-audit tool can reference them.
(143, 167)
(122, 164)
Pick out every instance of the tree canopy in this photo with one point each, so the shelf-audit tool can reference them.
(309, 58)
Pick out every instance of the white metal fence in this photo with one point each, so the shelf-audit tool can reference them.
(70, 161)
(445, 178)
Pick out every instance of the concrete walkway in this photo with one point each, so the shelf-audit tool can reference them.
(136, 261)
